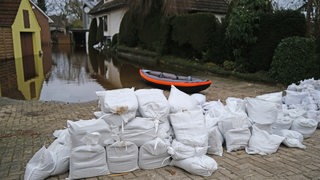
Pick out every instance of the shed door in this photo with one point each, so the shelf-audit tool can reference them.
(27, 55)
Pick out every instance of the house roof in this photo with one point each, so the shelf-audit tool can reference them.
(108, 6)
(8, 12)
(214, 6)
(39, 9)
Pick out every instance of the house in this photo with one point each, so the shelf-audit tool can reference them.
(21, 52)
(218, 7)
(87, 6)
(112, 11)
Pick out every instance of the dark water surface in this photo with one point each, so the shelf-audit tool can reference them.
(76, 76)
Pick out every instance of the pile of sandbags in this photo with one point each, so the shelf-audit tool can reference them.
(190, 143)
(144, 129)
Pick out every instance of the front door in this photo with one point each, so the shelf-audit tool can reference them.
(27, 55)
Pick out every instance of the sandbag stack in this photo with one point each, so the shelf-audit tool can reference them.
(144, 129)
(190, 145)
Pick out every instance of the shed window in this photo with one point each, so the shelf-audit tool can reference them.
(26, 19)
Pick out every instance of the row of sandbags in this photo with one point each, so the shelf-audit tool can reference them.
(152, 131)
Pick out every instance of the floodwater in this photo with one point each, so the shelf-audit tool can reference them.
(76, 75)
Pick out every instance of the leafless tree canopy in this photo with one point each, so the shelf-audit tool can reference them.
(170, 7)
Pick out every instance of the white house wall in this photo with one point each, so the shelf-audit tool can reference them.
(114, 21)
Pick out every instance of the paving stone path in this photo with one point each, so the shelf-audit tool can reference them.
(25, 126)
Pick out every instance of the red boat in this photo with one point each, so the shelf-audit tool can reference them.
(164, 80)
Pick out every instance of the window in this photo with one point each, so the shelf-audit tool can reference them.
(105, 19)
(26, 19)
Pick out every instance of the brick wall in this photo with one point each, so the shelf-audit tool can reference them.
(6, 43)
(8, 78)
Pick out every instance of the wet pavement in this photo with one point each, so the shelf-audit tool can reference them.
(25, 126)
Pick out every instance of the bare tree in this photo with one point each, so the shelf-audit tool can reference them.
(169, 7)
(68, 11)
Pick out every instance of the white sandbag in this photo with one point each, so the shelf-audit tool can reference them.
(153, 154)
(112, 119)
(294, 97)
(198, 165)
(261, 111)
(295, 111)
(88, 161)
(140, 130)
(215, 141)
(263, 143)
(236, 106)
(153, 103)
(232, 121)
(214, 111)
(40, 166)
(217, 106)
(165, 131)
(189, 127)
(237, 139)
(304, 126)
(79, 129)
(121, 102)
(122, 157)
(275, 97)
(60, 149)
(200, 98)
(180, 101)
(292, 138)
(281, 123)
(309, 104)
(179, 151)
(61, 155)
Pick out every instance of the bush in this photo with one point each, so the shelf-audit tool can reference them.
(100, 36)
(92, 33)
(153, 33)
(114, 41)
(128, 33)
(273, 28)
(295, 59)
(193, 33)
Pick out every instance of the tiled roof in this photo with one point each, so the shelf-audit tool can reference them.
(108, 6)
(214, 6)
(8, 12)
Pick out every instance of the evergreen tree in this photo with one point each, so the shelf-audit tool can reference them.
(42, 5)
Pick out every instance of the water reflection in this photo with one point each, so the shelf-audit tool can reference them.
(70, 79)
(75, 76)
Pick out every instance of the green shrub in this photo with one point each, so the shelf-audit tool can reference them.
(114, 41)
(294, 60)
(243, 22)
(228, 65)
(100, 36)
(273, 28)
(193, 33)
(128, 33)
(92, 33)
(153, 33)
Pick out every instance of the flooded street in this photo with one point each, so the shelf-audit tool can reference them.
(75, 76)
